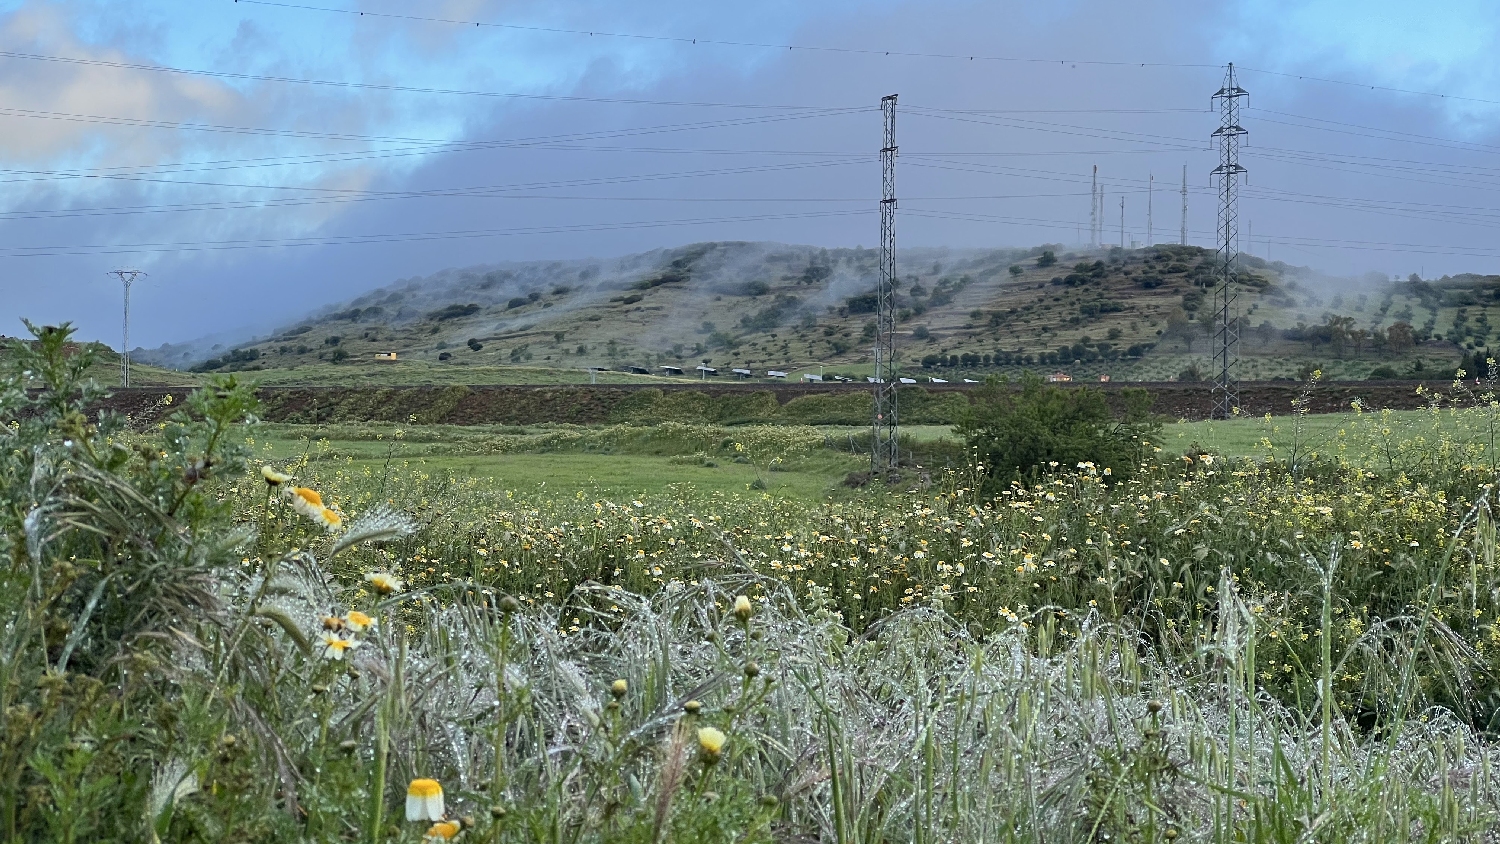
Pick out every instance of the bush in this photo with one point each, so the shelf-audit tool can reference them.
(454, 312)
(1027, 432)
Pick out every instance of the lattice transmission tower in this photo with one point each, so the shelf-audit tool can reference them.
(884, 454)
(127, 278)
(1226, 331)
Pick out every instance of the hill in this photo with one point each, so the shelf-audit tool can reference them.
(106, 368)
(1140, 314)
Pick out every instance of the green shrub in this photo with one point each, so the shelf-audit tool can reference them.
(1027, 432)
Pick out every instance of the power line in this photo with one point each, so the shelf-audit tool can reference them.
(398, 237)
(1386, 88)
(688, 40)
(341, 136)
(374, 86)
(866, 51)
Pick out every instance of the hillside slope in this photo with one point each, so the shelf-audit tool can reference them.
(1140, 313)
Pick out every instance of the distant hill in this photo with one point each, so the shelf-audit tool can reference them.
(1140, 313)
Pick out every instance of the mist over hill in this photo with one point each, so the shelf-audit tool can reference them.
(1141, 313)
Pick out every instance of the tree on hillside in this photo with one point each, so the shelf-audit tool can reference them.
(1400, 337)
(1180, 328)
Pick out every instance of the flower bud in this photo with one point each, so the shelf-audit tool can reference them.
(743, 608)
(618, 688)
(692, 707)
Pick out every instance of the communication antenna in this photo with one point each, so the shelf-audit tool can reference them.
(127, 278)
(1094, 211)
(1122, 222)
(884, 451)
(1184, 205)
(1226, 333)
(1150, 201)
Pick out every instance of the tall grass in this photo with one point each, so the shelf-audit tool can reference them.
(1211, 652)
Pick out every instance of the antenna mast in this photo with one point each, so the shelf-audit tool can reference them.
(1226, 333)
(1122, 222)
(1094, 210)
(884, 450)
(1184, 205)
(127, 278)
(1150, 202)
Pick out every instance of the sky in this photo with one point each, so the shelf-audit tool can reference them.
(260, 159)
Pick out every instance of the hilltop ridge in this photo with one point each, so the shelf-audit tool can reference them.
(1141, 313)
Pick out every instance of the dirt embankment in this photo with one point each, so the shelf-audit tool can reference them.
(588, 404)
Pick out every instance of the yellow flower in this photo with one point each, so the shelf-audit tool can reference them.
(358, 621)
(273, 477)
(306, 501)
(333, 622)
(711, 742)
(619, 688)
(334, 647)
(384, 582)
(442, 831)
(742, 607)
(329, 519)
(424, 800)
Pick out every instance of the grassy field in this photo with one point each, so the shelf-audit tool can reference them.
(568, 644)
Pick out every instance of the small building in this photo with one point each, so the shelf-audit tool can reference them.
(385, 355)
(970, 381)
(937, 380)
(873, 380)
(670, 370)
(741, 373)
(637, 370)
(705, 371)
(808, 376)
(907, 380)
(775, 373)
(1059, 377)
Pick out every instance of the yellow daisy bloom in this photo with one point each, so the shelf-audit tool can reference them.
(424, 800)
(442, 831)
(274, 477)
(329, 519)
(358, 621)
(306, 501)
(384, 582)
(711, 742)
(334, 647)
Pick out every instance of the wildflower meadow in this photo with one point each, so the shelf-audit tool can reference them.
(200, 645)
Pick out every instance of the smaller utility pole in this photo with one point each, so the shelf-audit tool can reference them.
(1122, 222)
(127, 278)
